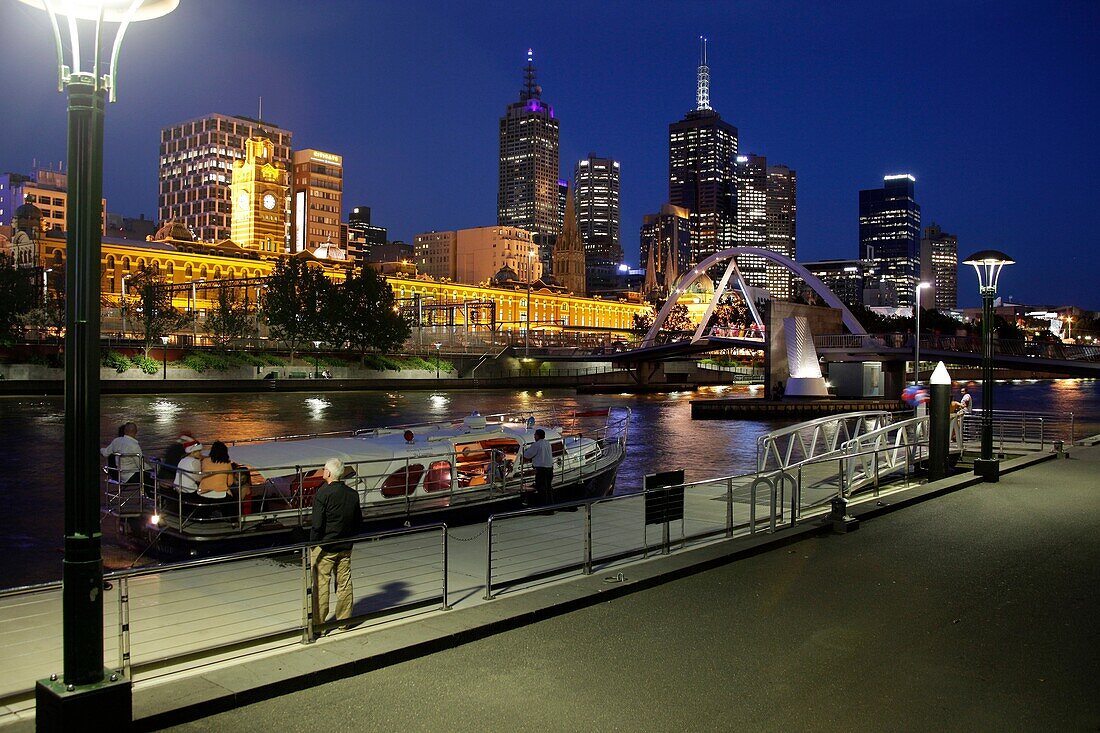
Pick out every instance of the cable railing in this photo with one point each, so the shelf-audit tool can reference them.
(527, 545)
(1015, 428)
(159, 619)
(1053, 350)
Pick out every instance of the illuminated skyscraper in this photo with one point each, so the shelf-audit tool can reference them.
(782, 216)
(751, 176)
(702, 149)
(528, 194)
(597, 201)
(196, 170)
(364, 237)
(939, 265)
(318, 194)
(665, 247)
(889, 236)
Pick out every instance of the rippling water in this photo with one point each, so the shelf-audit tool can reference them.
(662, 437)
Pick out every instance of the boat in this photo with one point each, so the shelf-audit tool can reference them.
(406, 474)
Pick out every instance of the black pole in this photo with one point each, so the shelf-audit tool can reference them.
(164, 360)
(939, 429)
(82, 567)
(987, 466)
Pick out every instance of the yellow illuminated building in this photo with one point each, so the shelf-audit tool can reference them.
(259, 197)
(181, 262)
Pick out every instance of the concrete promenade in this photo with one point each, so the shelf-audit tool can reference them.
(975, 610)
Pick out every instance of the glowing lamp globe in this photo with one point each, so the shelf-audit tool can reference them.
(988, 264)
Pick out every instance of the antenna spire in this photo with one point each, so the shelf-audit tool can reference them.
(702, 88)
(260, 114)
(531, 90)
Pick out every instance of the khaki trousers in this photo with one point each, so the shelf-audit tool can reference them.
(323, 564)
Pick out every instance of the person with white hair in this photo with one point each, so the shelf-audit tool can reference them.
(127, 453)
(336, 516)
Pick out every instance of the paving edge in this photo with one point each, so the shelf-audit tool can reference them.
(159, 705)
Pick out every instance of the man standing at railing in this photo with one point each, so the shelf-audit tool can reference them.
(336, 515)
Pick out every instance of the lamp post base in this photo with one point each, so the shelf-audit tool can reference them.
(838, 517)
(988, 469)
(109, 703)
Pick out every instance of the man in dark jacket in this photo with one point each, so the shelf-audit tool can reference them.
(336, 515)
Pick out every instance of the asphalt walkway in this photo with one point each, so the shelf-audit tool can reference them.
(973, 611)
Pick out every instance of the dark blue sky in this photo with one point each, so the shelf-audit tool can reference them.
(986, 103)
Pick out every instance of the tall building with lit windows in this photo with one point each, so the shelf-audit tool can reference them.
(596, 181)
(259, 190)
(702, 152)
(196, 170)
(528, 196)
(751, 176)
(318, 194)
(889, 236)
(939, 265)
(782, 217)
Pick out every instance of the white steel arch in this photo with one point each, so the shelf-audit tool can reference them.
(731, 254)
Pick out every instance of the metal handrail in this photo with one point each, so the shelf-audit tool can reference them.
(849, 425)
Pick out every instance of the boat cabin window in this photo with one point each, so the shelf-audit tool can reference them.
(439, 477)
(403, 481)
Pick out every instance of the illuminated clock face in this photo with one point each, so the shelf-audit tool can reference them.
(269, 202)
(242, 202)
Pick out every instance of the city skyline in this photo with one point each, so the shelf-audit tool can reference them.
(958, 99)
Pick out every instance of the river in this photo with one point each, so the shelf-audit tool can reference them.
(662, 437)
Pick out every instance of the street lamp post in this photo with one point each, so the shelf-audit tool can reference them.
(46, 285)
(438, 345)
(988, 265)
(124, 305)
(164, 357)
(64, 703)
(195, 312)
(916, 341)
(316, 359)
(527, 315)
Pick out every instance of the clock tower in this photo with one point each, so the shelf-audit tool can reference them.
(259, 198)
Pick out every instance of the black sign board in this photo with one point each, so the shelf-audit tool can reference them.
(664, 497)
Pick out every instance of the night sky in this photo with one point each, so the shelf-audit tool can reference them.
(986, 103)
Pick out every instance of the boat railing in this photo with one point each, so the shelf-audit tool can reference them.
(810, 440)
(286, 492)
(159, 617)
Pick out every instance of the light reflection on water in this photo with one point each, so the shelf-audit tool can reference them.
(662, 436)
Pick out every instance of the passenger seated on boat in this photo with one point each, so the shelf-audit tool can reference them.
(190, 468)
(217, 473)
(127, 452)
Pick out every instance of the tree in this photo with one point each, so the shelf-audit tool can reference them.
(678, 319)
(229, 319)
(17, 294)
(298, 303)
(643, 321)
(48, 316)
(152, 308)
(368, 317)
(732, 313)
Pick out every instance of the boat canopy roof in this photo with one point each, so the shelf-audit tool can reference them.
(284, 457)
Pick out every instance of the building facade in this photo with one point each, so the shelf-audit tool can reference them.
(259, 191)
(318, 194)
(702, 151)
(363, 236)
(475, 255)
(853, 281)
(751, 177)
(889, 235)
(196, 170)
(596, 197)
(665, 247)
(47, 189)
(939, 266)
(528, 193)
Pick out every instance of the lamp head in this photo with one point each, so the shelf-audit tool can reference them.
(987, 264)
(114, 11)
